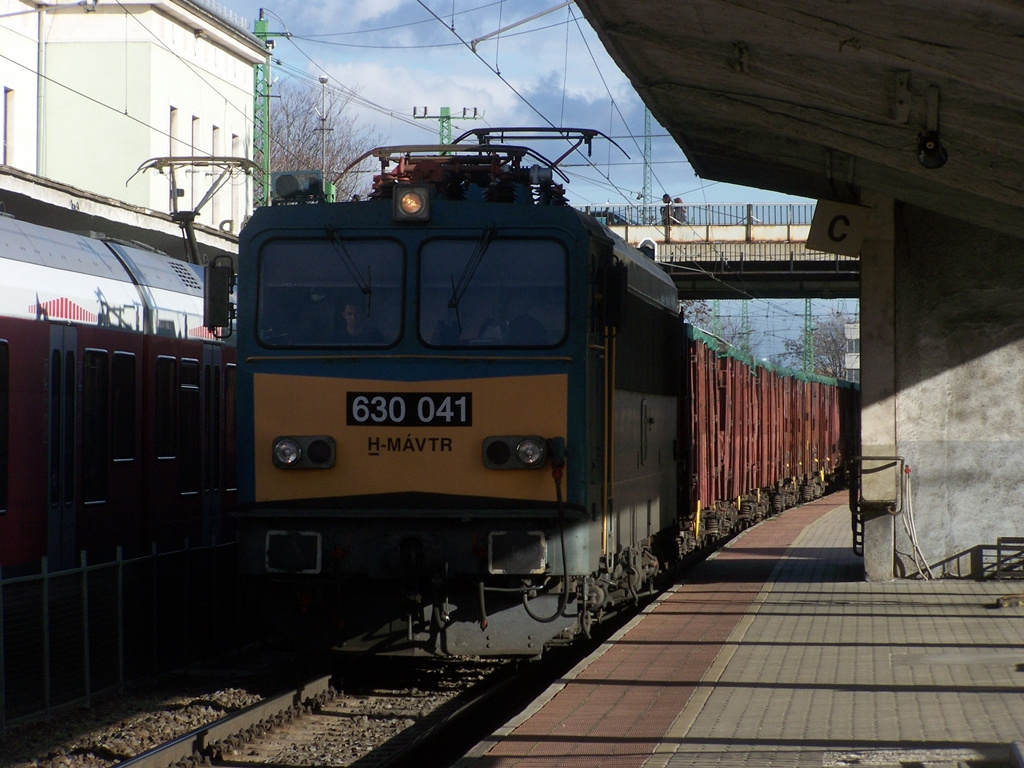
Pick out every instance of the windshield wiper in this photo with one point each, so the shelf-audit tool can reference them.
(459, 288)
(350, 265)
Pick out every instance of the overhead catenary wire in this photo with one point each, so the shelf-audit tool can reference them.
(625, 195)
(399, 115)
(572, 19)
(587, 171)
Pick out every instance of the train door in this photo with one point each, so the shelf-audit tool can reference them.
(61, 522)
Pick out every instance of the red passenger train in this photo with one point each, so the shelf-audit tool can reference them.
(116, 405)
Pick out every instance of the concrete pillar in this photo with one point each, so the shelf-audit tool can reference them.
(881, 481)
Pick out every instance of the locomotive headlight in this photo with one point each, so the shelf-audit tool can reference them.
(411, 203)
(531, 452)
(515, 452)
(286, 452)
(304, 452)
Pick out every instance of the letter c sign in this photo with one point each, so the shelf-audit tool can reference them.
(838, 228)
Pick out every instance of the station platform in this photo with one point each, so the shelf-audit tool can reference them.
(776, 652)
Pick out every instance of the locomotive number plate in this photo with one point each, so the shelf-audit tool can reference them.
(410, 409)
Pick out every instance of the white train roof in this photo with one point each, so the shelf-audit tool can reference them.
(48, 274)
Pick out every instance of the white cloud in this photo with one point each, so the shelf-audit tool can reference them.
(551, 70)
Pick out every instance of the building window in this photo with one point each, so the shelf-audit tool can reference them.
(216, 204)
(172, 133)
(194, 151)
(8, 124)
(238, 191)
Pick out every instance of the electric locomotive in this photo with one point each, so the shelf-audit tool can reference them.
(457, 407)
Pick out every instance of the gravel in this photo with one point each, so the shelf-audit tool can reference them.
(375, 708)
(117, 727)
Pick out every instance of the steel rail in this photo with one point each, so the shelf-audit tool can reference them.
(198, 746)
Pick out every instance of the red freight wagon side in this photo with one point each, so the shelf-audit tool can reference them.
(755, 438)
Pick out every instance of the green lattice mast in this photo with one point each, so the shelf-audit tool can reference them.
(261, 113)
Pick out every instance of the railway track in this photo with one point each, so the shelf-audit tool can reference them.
(315, 724)
(225, 735)
(378, 713)
(383, 713)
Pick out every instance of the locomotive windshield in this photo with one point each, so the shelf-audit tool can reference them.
(330, 293)
(492, 292)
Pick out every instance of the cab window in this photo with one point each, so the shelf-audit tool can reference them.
(330, 293)
(491, 292)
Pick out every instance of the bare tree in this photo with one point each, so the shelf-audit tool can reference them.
(311, 130)
(730, 329)
(829, 340)
(696, 312)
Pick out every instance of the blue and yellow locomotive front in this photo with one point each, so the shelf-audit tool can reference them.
(416, 466)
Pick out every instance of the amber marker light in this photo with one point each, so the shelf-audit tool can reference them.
(412, 203)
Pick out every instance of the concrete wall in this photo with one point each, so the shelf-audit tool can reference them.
(957, 374)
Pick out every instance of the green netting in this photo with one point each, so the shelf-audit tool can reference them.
(723, 349)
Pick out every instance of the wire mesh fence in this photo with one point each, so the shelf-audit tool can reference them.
(69, 635)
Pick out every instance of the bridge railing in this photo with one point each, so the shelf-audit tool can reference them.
(736, 255)
(717, 222)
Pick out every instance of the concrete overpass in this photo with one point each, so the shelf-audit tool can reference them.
(736, 250)
(910, 113)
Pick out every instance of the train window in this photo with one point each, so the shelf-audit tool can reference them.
(166, 436)
(330, 293)
(189, 428)
(493, 293)
(230, 431)
(62, 426)
(122, 397)
(5, 389)
(95, 421)
(211, 467)
(68, 431)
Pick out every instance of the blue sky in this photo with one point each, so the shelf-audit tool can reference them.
(391, 56)
(397, 55)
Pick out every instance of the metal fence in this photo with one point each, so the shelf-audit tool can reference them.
(740, 253)
(67, 636)
(714, 215)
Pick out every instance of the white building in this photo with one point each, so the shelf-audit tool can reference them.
(93, 89)
(852, 363)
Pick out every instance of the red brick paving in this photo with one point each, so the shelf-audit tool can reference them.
(617, 710)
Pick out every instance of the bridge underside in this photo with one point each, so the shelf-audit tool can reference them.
(758, 270)
(736, 280)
